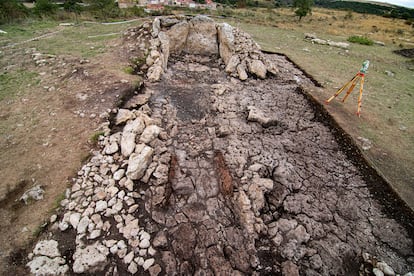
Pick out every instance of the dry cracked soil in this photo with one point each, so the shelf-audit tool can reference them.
(230, 177)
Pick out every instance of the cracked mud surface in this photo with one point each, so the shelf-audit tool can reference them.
(319, 214)
(244, 182)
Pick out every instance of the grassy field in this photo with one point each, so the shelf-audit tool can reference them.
(388, 105)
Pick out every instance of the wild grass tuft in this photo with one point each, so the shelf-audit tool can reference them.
(360, 40)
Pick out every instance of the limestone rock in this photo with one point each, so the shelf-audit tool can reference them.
(148, 263)
(74, 219)
(178, 36)
(48, 248)
(156, 26)
(123, 115)
(131, 130)
(155, 72)
(202, 36)
(232, 64)
(35, 193)
(89, 259)
(132, 268)
(138, 163)
(165, 49)
(256, 115)
(226, 41)
(258, 68)
(149, 134)
(42, 265)
(241, 72)
(111, 148)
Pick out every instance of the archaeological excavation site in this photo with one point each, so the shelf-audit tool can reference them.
(221, 163)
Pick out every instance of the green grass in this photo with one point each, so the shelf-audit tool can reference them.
(360, 40)
(84, 40)
(95, 137)
(16, 83)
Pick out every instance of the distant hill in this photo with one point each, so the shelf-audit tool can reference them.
(370, 7)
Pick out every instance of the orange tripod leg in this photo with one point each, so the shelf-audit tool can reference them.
(350, 89)
(340, 90)
(360, 97)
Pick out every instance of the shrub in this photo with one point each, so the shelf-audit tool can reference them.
(45, 7)
(360, 40)
(11, 10)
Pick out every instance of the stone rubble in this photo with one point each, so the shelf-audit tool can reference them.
(312, 38)
(212, 175)
(199, 35)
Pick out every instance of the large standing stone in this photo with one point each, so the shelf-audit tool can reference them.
(131, 130)
(202, 37)
(88, 259)
(165, 49)
(178, 36)
(138, 163)
(226, 41)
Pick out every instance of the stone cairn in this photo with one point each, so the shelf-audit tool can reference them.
(199, 35)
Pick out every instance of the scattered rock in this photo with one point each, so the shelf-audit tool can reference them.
(138, 163)
(88, 259)
(35, 193)
(48, 248)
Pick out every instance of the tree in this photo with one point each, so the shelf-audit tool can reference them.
(303, 7)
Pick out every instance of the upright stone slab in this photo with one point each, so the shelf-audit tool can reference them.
(202, 37)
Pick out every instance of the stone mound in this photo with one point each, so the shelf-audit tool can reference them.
(198, 35)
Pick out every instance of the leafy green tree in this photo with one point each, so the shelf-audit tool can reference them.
(303, 7)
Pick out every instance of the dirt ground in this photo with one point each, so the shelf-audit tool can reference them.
(46, 133)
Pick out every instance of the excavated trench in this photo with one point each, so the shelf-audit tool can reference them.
(318, 217)
(201, 173)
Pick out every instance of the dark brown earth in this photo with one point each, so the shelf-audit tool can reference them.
(405, 52)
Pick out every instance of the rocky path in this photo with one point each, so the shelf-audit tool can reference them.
(201, 173)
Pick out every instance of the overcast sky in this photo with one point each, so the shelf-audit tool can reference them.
(404, 3)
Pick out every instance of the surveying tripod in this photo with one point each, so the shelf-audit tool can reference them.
(360, 75)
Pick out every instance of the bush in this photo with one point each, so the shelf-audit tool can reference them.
(360, 40)
(11, 10)
(104, 9)
(45, 7)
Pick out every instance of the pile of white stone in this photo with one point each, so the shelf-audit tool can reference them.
(102, 195)
(312, 38)
(202, 36)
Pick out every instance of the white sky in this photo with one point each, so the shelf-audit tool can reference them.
(404, 3)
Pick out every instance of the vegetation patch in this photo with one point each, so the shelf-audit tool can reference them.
(13, 83)
(360, 40)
